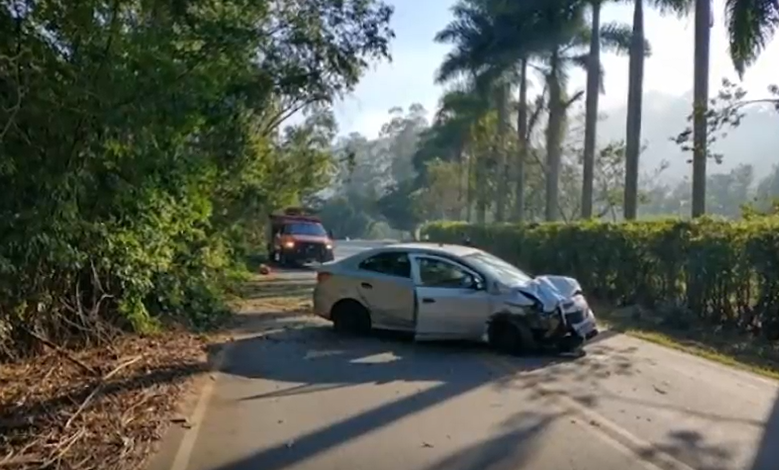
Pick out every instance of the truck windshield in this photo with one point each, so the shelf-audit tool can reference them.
(315, 230)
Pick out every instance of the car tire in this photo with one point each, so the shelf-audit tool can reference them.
(572, 346)
(507, 337)
(351, 318)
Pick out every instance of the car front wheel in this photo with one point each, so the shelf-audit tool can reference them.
(507, 337)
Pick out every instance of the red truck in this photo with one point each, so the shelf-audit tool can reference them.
(298, 238)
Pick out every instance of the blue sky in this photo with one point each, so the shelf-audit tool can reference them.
(409, 78)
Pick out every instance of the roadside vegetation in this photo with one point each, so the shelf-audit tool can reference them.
(707, 286)
(142, 145)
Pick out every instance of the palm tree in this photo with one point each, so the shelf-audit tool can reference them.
(591, 111)
(750, 26)
(700, 105)
(574, 37)
(474, 32)
(491, 38)
(635, 95)
(614, 35)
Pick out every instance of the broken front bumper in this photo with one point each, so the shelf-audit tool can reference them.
(581, 322)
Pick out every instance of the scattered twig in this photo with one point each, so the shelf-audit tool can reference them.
(99, 387)
(64, 447)
(62, 352)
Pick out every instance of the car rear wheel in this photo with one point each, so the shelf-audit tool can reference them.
(508, 337)
(351, 317)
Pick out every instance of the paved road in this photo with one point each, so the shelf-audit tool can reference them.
(295, 396)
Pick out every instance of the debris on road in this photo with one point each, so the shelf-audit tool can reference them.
(427, 444)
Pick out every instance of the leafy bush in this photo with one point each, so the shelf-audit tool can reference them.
(142, 149)
(725, 272)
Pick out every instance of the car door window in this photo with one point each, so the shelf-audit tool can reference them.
(391, 264)
(439, 273)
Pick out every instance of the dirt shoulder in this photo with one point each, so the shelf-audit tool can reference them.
(746, 352)
(99, 408)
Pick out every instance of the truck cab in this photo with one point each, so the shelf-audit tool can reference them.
(299, 239)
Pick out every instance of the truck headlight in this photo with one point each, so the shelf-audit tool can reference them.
(289, 245)
(329, 246)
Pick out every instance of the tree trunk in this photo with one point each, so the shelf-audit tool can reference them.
(700, 105)
(460, 181)
(635, 95)
(469, 190)
(554, 131)
(591, 119)
(503, 94)
(522, 138)
(480, 169)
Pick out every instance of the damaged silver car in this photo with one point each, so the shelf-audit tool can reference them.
(440, 292)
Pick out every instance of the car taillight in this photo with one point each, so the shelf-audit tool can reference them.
(322, 276)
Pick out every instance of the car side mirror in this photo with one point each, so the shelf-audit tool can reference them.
(478, 284)
(330, 234)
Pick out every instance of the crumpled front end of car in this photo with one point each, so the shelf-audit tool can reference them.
(551, 314)
(579, 317)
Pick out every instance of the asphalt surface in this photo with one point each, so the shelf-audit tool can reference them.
(293, 395)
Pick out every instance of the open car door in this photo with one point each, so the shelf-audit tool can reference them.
(452, 302)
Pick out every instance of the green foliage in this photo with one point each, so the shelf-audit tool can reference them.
(141, 150)
(724, 272)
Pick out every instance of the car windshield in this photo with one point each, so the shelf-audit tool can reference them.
(305, 229)
(498, 268)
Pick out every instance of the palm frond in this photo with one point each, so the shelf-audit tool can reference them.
(583, 62)
(751, 25)
(677, 7)
(617, 37)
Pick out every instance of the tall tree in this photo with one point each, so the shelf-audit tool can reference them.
(700, 105)
(751, 24)
(635, 95)
(492, 39)
(591, 107)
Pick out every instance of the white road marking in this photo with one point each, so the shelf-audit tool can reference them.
(184, 452)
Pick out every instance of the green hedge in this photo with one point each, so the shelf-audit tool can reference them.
(726, 272)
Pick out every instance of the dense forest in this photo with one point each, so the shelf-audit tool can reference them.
(389, 186)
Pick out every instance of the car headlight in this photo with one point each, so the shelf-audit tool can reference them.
(289, 245)
(329, 246)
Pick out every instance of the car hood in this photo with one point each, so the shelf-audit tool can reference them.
(551, 291)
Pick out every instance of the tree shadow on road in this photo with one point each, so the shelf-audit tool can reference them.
(313, 359)
(767, 457)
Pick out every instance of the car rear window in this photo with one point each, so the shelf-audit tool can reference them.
(392, 264)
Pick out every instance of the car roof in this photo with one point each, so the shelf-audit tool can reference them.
(432, 248)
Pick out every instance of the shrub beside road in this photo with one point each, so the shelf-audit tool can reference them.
(709, 287)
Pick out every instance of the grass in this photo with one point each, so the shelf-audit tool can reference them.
(724, 347)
